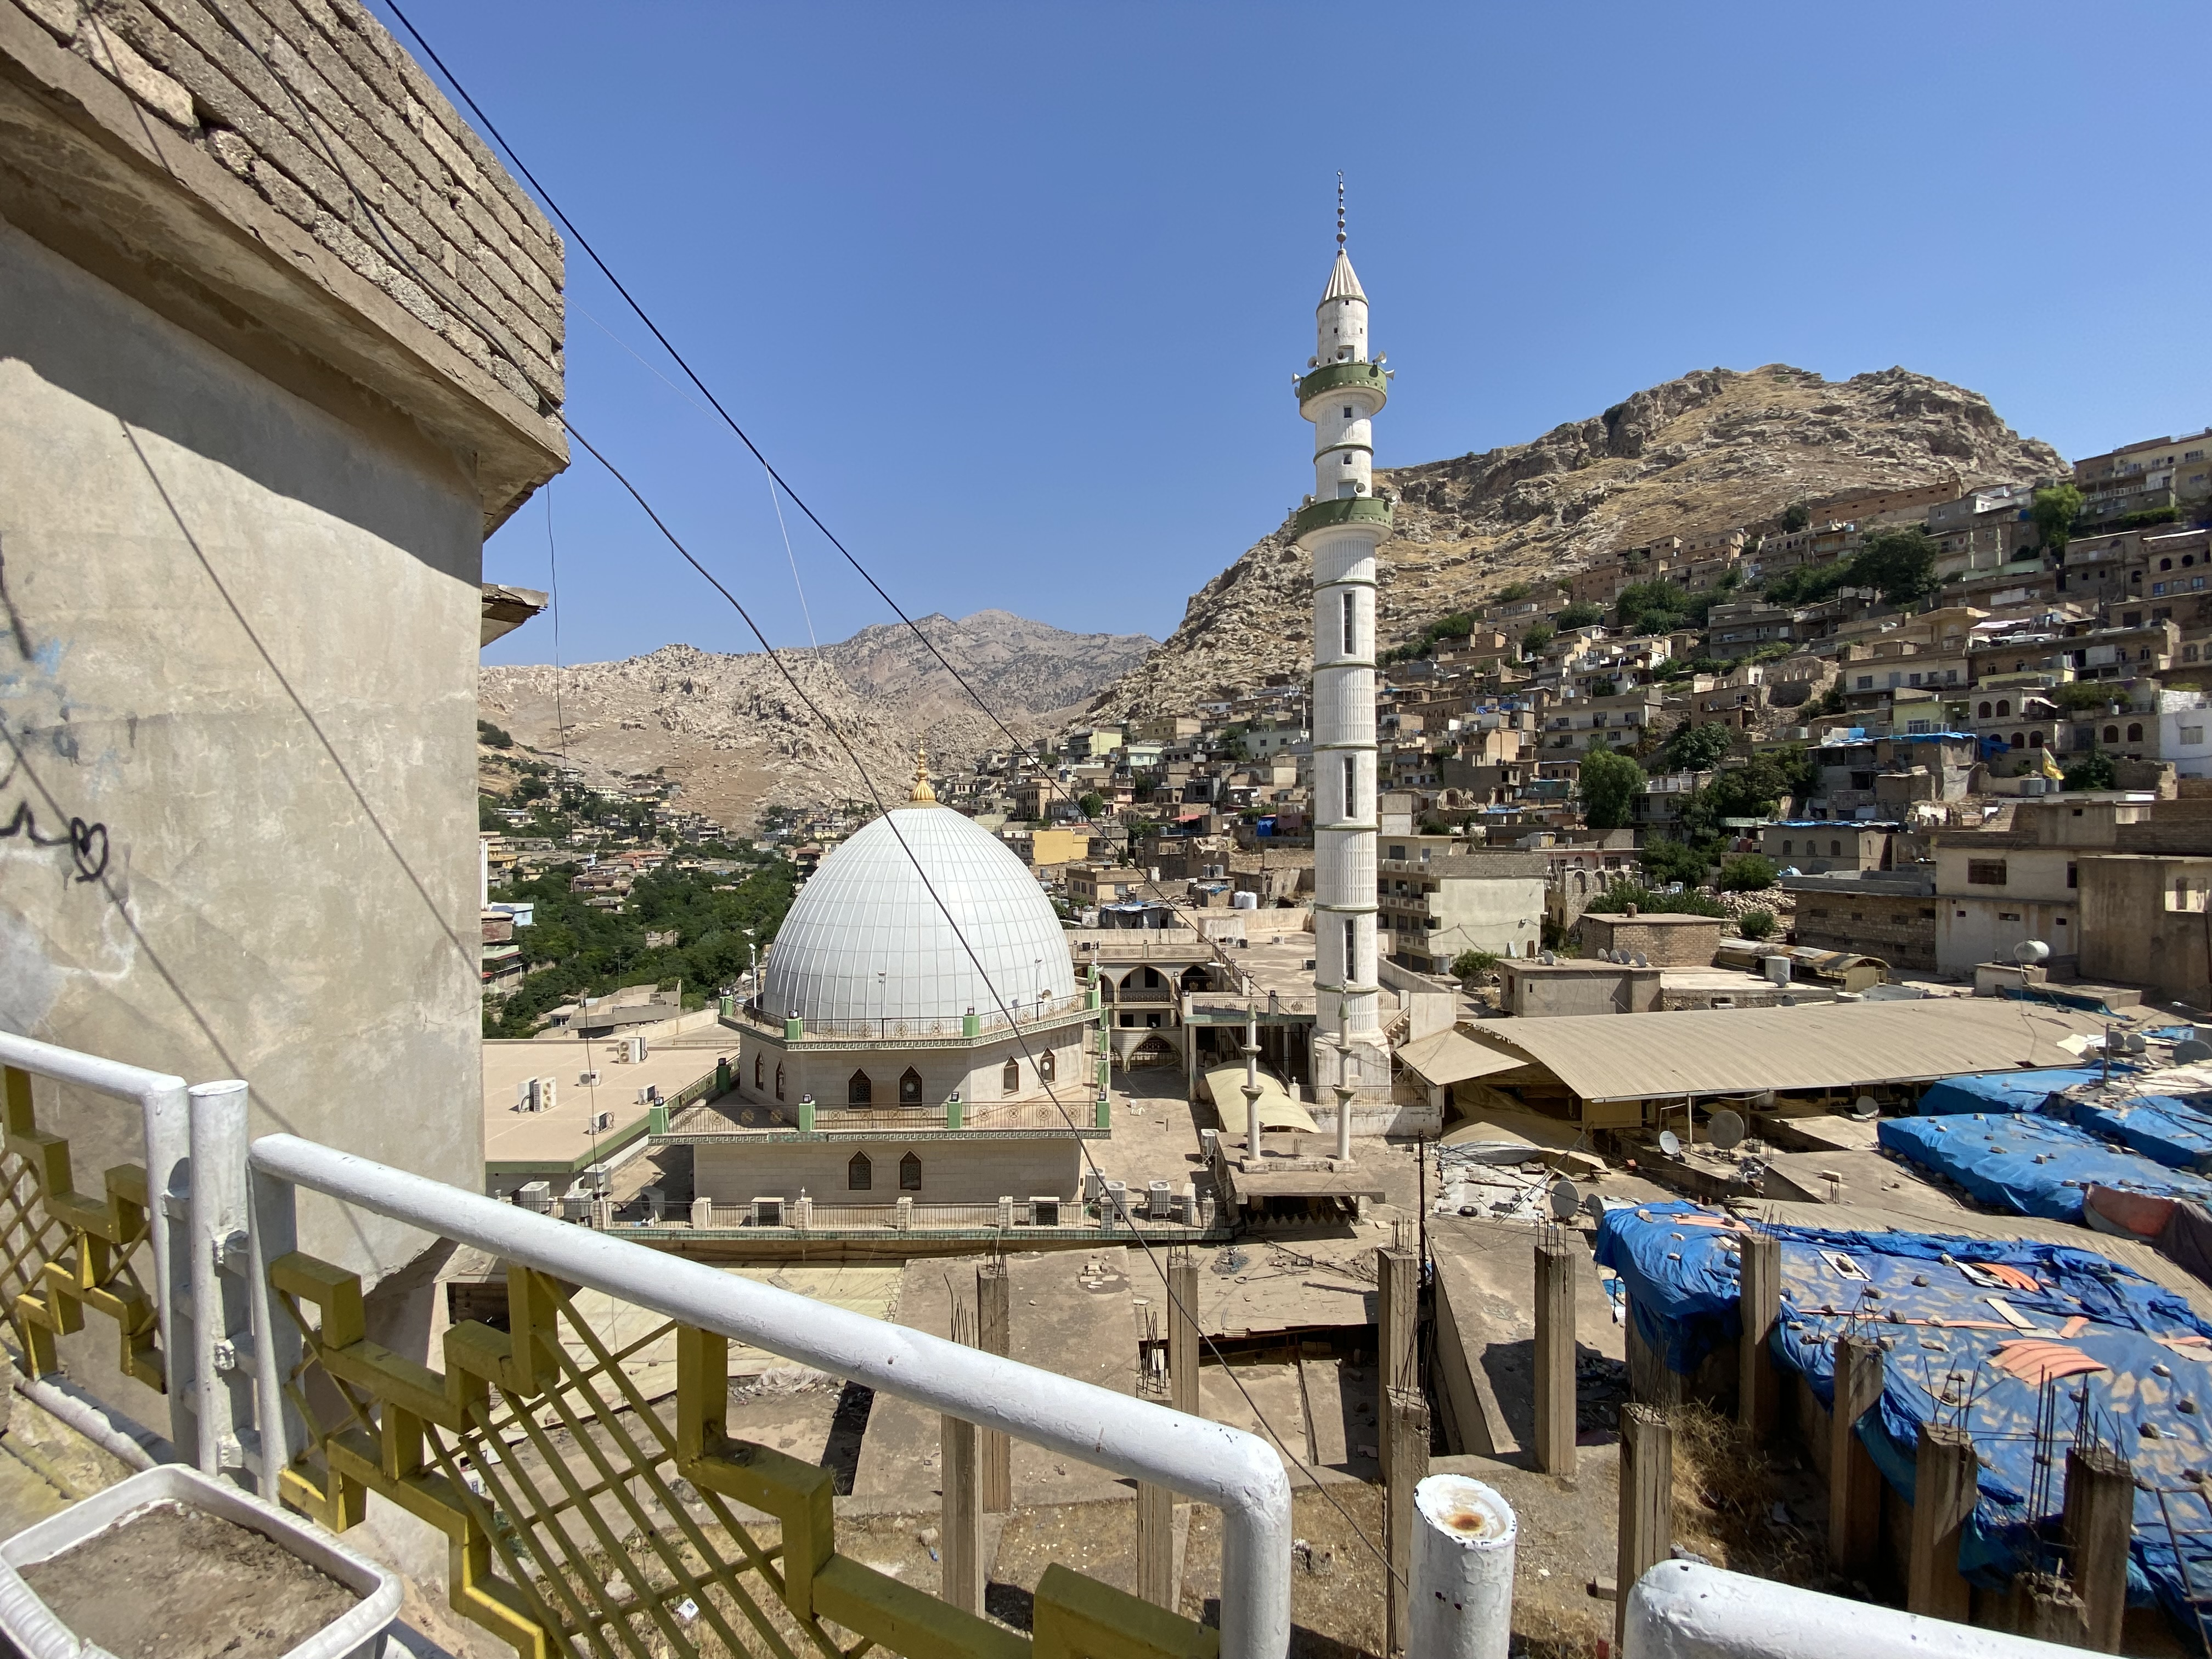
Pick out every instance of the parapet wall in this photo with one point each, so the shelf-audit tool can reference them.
(318, 108)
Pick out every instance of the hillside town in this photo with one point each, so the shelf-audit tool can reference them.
(1516, 1087)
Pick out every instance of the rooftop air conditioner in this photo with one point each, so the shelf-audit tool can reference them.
(1044, 1213)
(587, 1080)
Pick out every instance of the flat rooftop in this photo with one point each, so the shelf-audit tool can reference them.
(563, 1136)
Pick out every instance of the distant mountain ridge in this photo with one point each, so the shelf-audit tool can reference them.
(729, 728)
(1713, 449)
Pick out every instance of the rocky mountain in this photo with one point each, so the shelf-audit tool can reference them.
(732, 731)
(1713, 449)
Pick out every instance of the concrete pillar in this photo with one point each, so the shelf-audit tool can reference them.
(1854, 1482)
(1759, 1391)
(1944, 1489)
(1398, 1280)
(1155, 1576)
(2099, 1520)
(994, 1335)
(1405, 1452)
(1184, 1338)
(1462, 1604)
(1647, 1496)
(2045, 1609)
(1555, 1357)
(961, 1517)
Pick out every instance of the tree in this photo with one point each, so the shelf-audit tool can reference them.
(1697, 748)
(1900, 563)
(1622, 893)
(1666, 861)
(1581, 614)
(492, 737)
(2092, 771)
(1611, 785)
(1474, 964)
(1797, 517)
(1655, 607)
(1537, 638)
(1746, 873)
(2053, 512)
(1755, 924)
(1092, 803)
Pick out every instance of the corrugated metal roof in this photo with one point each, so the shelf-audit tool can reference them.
(1447, 1057)
(1837, 1045)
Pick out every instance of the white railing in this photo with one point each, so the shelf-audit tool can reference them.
(1681, 1610)
(1236, 1472)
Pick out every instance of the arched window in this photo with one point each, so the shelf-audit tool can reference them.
(860, 1174)
(860, 1091)
(2111, 734)
(1787, 848)
(1835, 849)
(909, 1174)
(2035, 739)
(2004, 708)
(760, 1062)
(909, 1087)
(778, 1083)
(1985, 711)
(1047, 1068)
(2135, 732)
(1010, 1077)
(2166, 564)
(2020, 740)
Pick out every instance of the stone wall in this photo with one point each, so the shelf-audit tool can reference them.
(1900, 928)
(1665, 941)
(315, 106)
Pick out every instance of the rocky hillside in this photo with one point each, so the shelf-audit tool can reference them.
(1714, 449)
(732, 732)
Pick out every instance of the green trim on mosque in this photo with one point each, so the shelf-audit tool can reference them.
(1343, 509)
(1335, 377)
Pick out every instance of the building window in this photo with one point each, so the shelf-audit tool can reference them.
(860, 1091)
(1985, 711)
(2035, 739)
(2192, 734)
(759, 1066)
(1835, 849)
(909, 1174)
(2019, 740)
(1347, 413)
(1048, 1069)
(2007, 915)
(2111, 734)
(1009, 1076)
(2004, 708)
(1984, 872)
(1350, 621)
(1786, 846)
(860, 1174)
(2187, 895)
(778, 1083)
(1351, 782)
(2135, 732)
(909, 1087)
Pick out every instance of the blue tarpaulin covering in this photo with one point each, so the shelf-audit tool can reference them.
(2157, 1126)
(1940, 1308)
(2001, 1091)
(2029, 1164)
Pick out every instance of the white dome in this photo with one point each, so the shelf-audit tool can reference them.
(864, 940)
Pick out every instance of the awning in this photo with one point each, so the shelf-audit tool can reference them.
(1277, 1109)
(1447, 1057)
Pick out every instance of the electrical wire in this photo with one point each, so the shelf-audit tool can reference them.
(776, 658)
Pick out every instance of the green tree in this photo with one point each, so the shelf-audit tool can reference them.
(2092, 771)
(1537, 638)
(1797, 517)
(1655, 607)
(1666, 861)
(1623, 893)
(1511, 591)
(1691, 747)
(1745, 872)
(2053, 512)
(1474, 964)
(1755, 924)
(1611, 785)
(1901, 564)
(1092, 803)
(1581, 614)
(491, 736)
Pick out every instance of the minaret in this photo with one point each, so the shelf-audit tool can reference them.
(1339, 527)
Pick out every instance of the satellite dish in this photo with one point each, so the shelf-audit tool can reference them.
(1593, 1206)
(1548, 959)
(2030, 951)
(1866, 1109)
(1670, 1143)
(2132, 1043)
(1566, 1200)
(2192, 1052)
(1726, 1129)
(1643, 961)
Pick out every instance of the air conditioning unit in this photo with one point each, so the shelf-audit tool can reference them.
(1159, 1196)
(587, 1080)
(1044, 1213)
(526, 1091)
(548, 1092)
(767, 1212)
(603, 1120)
(535, 1195)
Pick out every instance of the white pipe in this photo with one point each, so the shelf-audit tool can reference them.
(217, 1210)
(1680, 1610)
(1462, 1594)
(127, 1442)
(1236, 1472)
(160, 1097)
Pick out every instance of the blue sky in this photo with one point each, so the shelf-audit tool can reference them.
(1012, 294)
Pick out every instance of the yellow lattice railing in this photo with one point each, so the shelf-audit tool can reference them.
(62, 1251)
(584, 1519)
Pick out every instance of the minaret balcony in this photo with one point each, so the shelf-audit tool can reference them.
(1342, 510)
(1336, 377)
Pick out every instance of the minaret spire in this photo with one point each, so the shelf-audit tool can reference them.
(1339, 209)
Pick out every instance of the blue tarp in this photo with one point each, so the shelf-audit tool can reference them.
(2157, 1126)
(1919, 1294)
(2029, 1164)
(2000, 1092)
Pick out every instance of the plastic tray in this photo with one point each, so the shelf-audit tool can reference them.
(38, 1634)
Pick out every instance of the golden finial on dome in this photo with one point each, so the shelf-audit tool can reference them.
(923, 795)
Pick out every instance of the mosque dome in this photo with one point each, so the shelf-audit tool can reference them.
(864, 940)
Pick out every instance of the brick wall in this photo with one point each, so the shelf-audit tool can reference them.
(1900, 928)
(318, 108)
(1665, 941)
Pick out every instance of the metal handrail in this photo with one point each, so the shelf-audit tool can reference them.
(1236, 1472)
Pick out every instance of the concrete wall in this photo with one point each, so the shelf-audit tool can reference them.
(974, 1170)
(229, 611)
(977, 1072)
(1975, 930)
(1532, 989)
(2141, 927)
(1667, 941)
(1501, 913)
